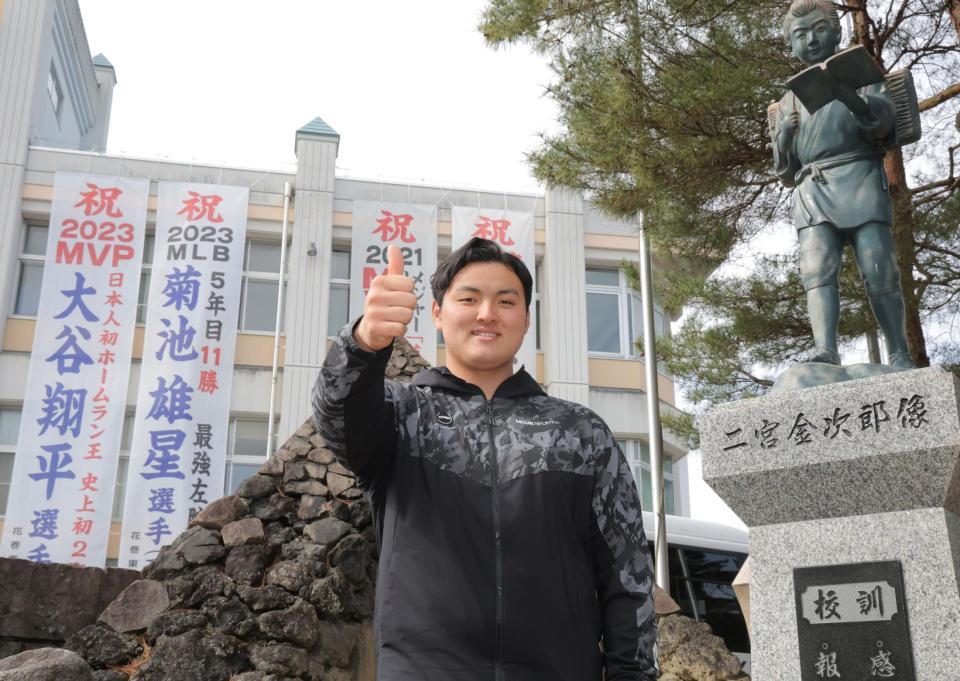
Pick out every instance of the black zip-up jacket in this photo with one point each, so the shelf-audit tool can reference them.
(511, 540)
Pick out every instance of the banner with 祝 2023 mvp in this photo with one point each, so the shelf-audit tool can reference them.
(61, 489)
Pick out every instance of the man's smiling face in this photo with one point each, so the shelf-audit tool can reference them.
(483, 318)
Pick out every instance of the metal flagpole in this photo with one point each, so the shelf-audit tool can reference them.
(661, 574)
(287, 191)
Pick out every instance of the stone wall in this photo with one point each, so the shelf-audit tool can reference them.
(44, 605)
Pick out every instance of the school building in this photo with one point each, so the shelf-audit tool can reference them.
(54, 116)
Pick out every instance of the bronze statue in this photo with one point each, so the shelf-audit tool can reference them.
(830, 132)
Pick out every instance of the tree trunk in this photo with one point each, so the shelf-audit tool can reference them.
(954, 7)
(902, 202)
(906, 253)
(861, 29)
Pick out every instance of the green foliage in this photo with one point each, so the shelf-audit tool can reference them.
(663, 114)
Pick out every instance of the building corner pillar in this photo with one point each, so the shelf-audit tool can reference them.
(564, 298)
(308, 272)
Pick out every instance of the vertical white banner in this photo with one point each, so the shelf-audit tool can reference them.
(61, 490)
(178, 450)
(412, 227)
(513, 232)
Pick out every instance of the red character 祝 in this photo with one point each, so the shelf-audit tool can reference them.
(99, 200)
(200, 207)
(494, 230)
(391, 227)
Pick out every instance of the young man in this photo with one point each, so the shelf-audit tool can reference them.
(511, 540)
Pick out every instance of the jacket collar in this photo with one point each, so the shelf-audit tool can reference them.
(519, 384)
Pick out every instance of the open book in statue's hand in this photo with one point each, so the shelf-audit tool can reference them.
(852, 68)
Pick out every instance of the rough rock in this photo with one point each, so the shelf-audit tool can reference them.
(340, 469)
(136, 606)
(314, 558)
(109, 675)
(339, 483)
(689, 650)
(333, 674)
(298, 445)
(311, 506)
(264, 598)
(274, 507)
(262, 676)
(257, 487)
(233, 617)
(327, 530)
(297, 624)
(361, 516)
(278, 658)
(288, 574)
(321, 455)
(45, 664)
(351, 555)
(193, 588)
(336, 644)
(295, 470)
(50, 602)
(246, 564)
(314, 487)
(663, 603)
(323, 594)
(243, 532)
(202, 547)
(220, 512)
(102, 647)
(272, 468)
(174, 623)
(278, 534)
(193, 657)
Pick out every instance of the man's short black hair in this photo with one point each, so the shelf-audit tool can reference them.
(478, 250)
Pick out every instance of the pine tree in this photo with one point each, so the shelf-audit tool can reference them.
(663, 114)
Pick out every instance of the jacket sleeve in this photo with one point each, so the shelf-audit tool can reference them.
(622, 568)
(353, 410)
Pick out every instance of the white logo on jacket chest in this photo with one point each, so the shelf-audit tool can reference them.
(524, 422)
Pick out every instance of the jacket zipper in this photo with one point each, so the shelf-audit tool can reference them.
(497, 551)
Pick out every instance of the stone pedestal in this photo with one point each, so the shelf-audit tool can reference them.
(854, 472)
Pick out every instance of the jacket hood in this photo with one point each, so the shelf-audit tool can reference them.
(520, 384)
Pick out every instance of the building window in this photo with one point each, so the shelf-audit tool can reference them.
(261, 281)
(338, 312)
(143, 295)
(30, 270)
(119, 488)
(53, 89)
(614, 319)
(246, 450)
(9, 429)
(638, 456)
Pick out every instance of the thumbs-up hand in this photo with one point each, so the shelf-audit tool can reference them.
(389, 306)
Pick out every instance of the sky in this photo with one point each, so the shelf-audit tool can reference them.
(411, 87)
